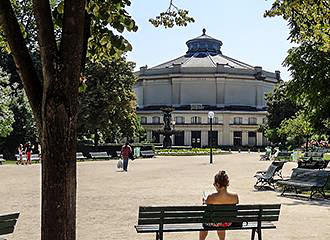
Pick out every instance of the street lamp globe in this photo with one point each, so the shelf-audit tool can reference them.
(211, 115)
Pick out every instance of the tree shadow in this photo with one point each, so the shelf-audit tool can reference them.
(305, 200)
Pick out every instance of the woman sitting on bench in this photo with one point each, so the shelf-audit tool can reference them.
(221, 197)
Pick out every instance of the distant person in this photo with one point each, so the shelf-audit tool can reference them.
(28, 152)
(126, 151)
(20, 154)
(221, 197)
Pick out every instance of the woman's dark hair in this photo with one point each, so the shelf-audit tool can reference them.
(221, 179)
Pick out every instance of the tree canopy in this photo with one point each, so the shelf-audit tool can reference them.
(309, 62)
(107, 106)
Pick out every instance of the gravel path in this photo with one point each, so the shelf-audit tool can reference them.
(108, 200)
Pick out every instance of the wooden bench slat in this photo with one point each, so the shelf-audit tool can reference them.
(177, 220)
(197, 227)
(7, 230)
(9, 216)
(210, 207)
(6, 224)
(146, 215)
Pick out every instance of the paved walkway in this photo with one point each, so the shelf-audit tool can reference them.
(108, 200)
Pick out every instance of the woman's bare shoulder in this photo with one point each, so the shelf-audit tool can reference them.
(234, 196)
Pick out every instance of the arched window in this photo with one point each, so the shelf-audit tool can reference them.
(156, 120)
(238, 120)
(179, 119)
(196, 120)
(214, 120)
(252, 120)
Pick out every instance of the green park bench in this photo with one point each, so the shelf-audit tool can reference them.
(99, 155)
(167, 219)
(306, 179)
(7, 224)
(267, 178)
(80, 156)
(147, 153)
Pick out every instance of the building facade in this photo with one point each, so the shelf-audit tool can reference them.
(200, 81)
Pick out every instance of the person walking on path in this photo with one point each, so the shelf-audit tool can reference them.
(221, 197)
(126, 151)
(20, 153)
(28, 152)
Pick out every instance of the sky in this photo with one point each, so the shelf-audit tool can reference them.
(246, 35)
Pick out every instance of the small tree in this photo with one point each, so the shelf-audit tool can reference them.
(279, 108)
(297, 127)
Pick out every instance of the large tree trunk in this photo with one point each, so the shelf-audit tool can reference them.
(58, 171)
(54, 103)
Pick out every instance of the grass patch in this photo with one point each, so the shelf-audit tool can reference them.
(189, 152)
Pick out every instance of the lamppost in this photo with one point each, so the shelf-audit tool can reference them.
(211, 116)
(173, 127)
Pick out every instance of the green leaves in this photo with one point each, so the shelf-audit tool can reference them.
(171, 17)
(110, 97)
(297, 127)
(309, 63)
(309, 21)
(104, 44)
(6, 115)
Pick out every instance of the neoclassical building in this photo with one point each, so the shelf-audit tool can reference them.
(200, 81)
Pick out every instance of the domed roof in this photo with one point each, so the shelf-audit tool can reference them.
(204, 51)
(203, 45)
(204, 56)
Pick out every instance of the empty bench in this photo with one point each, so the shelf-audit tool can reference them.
(306, 179)
(80, 156)
(147, 153)
(166, 219)
(7, 224)
(99, 155)
(267, 178)
(34, 158)
(313, 160)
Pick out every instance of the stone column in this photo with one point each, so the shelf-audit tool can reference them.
(204, 138)
(259, 138)
(244, 138)
(187, 137)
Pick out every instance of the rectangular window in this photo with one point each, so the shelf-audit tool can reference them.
(238, 120)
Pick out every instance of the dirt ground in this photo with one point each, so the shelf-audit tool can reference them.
(108, 199)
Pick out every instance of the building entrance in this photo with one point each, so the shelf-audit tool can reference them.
(237, 138)
(196, 139)
(179, 138)
(155, 137)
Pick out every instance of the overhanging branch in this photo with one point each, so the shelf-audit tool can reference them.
(22, 58)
